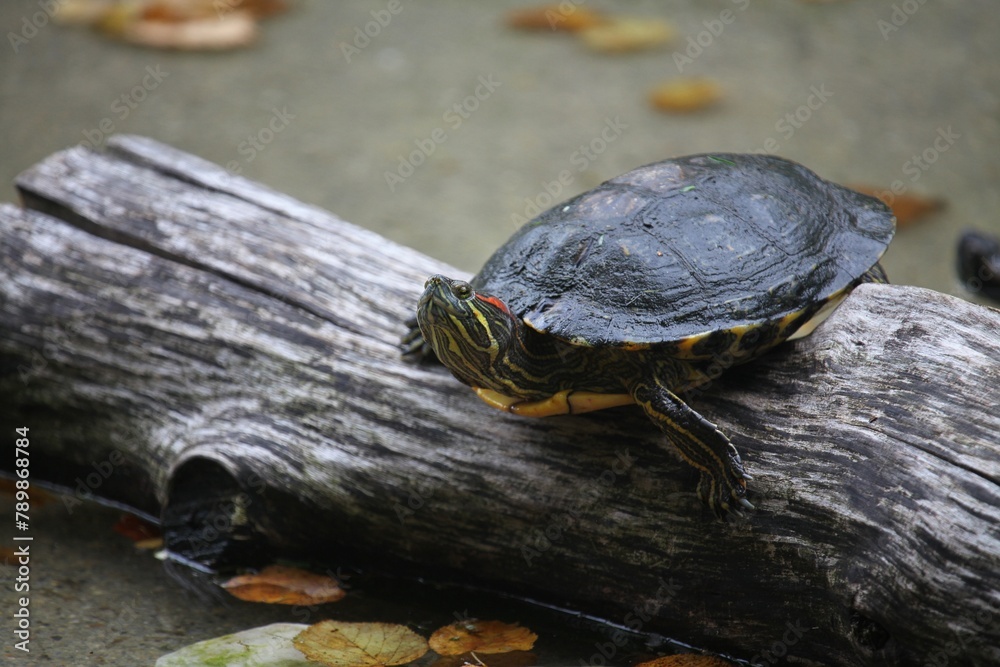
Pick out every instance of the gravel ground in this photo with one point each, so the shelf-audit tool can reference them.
(862, 92)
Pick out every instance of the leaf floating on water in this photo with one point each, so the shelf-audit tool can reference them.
(267, 645)
(482, 637)
(907, 208)
(144, 535)
(687, 660)
(360, 644)
(472, 659)
(568, 17)
(685, 95)
(625, 34)
(279, 584)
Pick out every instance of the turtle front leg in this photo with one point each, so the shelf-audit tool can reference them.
(700, 443)
(413, 345)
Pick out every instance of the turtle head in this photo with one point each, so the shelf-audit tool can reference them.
(470, 332)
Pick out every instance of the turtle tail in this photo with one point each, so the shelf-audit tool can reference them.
(876, 274)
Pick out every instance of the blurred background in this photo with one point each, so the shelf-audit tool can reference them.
(332, 97)
(445, 124)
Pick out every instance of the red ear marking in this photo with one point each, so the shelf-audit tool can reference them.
(494, 301)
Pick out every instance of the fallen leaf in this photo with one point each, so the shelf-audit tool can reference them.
(280, 584)
(907, 208)
(621, 35)
(568, 17)
(7, 556)
(512, 659)
(82, 12)
(687, 660)
(685, 95)
(231, 30)
(267, 645)
(482, 637)
(174, 24)
(186, 10)
(360, 644)
(136, 529)
(37, 497)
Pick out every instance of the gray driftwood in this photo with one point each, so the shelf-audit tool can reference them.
(175, 337)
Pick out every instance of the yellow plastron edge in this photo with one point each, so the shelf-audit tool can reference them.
(567, 402)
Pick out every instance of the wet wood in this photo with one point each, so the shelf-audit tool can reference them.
(207, 350)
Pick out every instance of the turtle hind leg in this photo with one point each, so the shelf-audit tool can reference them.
(413, 345)
(700, 443)
(876, 274)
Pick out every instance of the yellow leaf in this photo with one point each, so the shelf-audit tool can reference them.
(568, 17)
(279, 584)
(482, 637)
(685, 95)
(620, 35)
(908, 208)
(360, 644)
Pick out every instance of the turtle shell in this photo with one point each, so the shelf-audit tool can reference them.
(685, 247)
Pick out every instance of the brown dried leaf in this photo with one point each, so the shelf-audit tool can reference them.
(512, 659)
(115, 16)
(687, 660)
(231, 30)
(907, 208)
(685, 95)
(571, 18)
(150, 544)
(279, 584)
(360, 644)
(37, 496)
(136, 529)
(621, 35)
(82, 12)
(482, 637)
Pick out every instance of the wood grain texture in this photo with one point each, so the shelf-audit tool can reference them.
(175, 327)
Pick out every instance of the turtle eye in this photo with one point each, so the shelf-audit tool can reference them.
(462, 289)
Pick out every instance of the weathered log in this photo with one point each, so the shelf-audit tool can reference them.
(176, 337)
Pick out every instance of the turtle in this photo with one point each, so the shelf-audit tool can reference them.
(642, 289)
(979, 263)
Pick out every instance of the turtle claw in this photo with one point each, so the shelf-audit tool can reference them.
(725, 497)
(413, 345)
